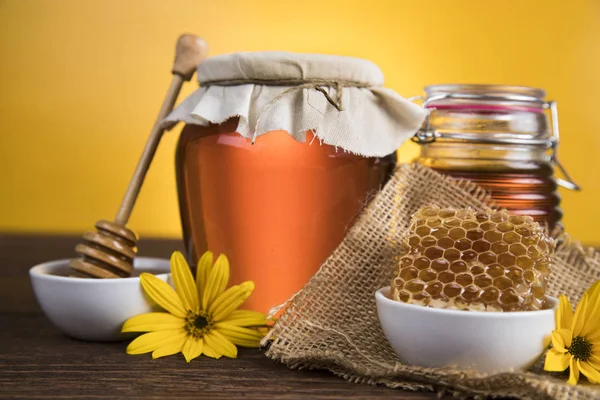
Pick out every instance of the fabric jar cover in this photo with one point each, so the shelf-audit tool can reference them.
(340, 99)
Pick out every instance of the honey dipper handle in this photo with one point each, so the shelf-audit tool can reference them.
(190, 51)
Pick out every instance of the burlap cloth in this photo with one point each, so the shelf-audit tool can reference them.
(332, 322)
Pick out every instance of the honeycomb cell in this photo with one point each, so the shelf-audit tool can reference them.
(528, 241)
(452, 255)
(458, 266)
(493, 236)
(423, 231)
(469, 225)
(457, 233)
(414, 286)
(447, 213)
(533, 253)
(409, 273)
(508, 297)
(517, 249)
(435, 288)
(481, 246)
(404, 296)
(490, 294)
(506, 259)
(468, 255)
(452, 223)
(446, 277)
(462, 244)
(475, 234)
(505, 227)
(414, 240)
(434, 252)
(488, 226)
(473, 261)
(543, 266)
(523, 231)
(495, 270)
(428, 241)
(470, 293)
(439, 265)
(516, 220)
(515, 274)
(529, 276)
(464, 279)
(483, 281)
(439, 233)
(405, 262)
(427, 275)
(434, 223)
(511, 237)
(445, 243)
(477, 270)
(487, 258)
(525, 262)
(481, 216)
(502, 283)
(452, 289)
(499, 247)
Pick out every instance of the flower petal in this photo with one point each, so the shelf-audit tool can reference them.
(154, 321)
(231, 300)
(220, 344)
(163, 294)
(573, 372)
(246, 318)
(217, 281)
(184, 282)
(589, 371)
(210, 352)
(173, 347)
(203, 271)
(564, 314)
(579, 317)
(238, 335)
(561, 339)
(556, 360)
(192, 348)
(154, 340)
(591, 324)
(594, 291)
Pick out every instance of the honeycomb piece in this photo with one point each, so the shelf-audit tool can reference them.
(462, 259)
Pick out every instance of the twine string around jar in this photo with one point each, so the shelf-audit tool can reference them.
(296, 85)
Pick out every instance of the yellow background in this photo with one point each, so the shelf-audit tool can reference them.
(81, 82)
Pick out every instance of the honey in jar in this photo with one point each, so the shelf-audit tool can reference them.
(279, 154)
(501, 138)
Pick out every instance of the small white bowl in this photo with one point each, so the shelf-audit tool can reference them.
(93, 309)
(488, 342)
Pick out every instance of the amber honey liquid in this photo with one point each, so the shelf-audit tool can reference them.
(277, 208)
(528, 190)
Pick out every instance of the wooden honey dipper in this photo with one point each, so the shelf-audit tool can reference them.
(109, 252)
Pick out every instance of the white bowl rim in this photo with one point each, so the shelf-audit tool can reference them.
(380, 295)
(147, 263)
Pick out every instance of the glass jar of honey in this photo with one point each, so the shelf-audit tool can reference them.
(279, 154)
(503, 138)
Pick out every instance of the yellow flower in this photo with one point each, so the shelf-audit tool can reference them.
(576, 339)
(201, 317)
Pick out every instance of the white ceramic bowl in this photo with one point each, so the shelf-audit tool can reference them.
(93, 309)
(488, 342)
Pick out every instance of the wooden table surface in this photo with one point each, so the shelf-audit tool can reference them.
(38, 361)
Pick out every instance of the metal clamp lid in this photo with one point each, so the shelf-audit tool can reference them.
(426, 134)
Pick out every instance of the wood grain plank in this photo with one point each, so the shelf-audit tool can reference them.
(37, 361)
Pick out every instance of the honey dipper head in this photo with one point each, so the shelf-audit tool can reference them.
(106, 253)
(482, 261)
